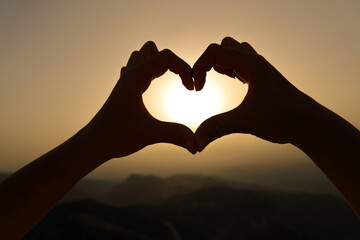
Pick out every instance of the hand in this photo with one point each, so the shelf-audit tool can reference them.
(123, 125)
(272, 108)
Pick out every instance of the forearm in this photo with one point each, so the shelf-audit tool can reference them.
(334, 146)
(31, 192)
(123, 126)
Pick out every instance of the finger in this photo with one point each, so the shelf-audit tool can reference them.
(123, 69)
(146, 51)
(149, 49)
(153, 48)
(230, 42)
(228, 72)
(131, 60)
(225, 71)
(216, 127)
(249, 47)
(167, 60)
(177, 134)
(241, 63)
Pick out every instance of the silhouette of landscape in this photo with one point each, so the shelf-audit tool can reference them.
(194, 207)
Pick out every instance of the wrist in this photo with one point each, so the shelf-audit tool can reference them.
(78, 156)
(318, 130)
(87, 145)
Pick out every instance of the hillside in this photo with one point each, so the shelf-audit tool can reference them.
(214, 212)
(150, 190)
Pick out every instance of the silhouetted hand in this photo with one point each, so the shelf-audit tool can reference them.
(123, 125)
(272, 106)
(273, 109)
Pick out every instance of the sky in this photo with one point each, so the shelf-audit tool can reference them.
(59, 61)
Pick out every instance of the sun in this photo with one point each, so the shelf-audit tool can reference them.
(190, 107)
(168, 100)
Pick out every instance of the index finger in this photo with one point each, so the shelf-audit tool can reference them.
(215, 55)
(163, 61)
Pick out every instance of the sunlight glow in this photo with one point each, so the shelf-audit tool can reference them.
(191, 107)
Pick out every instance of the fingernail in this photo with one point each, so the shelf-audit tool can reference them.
(191, 87)
(198, 89)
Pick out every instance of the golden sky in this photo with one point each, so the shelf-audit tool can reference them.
(59, 61)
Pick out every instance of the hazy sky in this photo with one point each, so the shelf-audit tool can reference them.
(59, 61)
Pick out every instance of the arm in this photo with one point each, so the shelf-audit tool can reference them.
(274, 110)
(334, 146)
(121, 127)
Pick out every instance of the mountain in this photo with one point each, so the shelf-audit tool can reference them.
(89, 188)
(265, 215)
(194, 207)
(139, 189)
(87, 219)
(150, 190)
(207, 213)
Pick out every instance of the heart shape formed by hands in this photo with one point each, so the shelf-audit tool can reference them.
(266, 111)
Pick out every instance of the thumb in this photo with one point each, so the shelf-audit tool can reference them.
(178, 134)
(216, 127)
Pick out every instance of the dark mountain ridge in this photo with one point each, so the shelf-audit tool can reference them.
(218, 212)
(137, 189)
